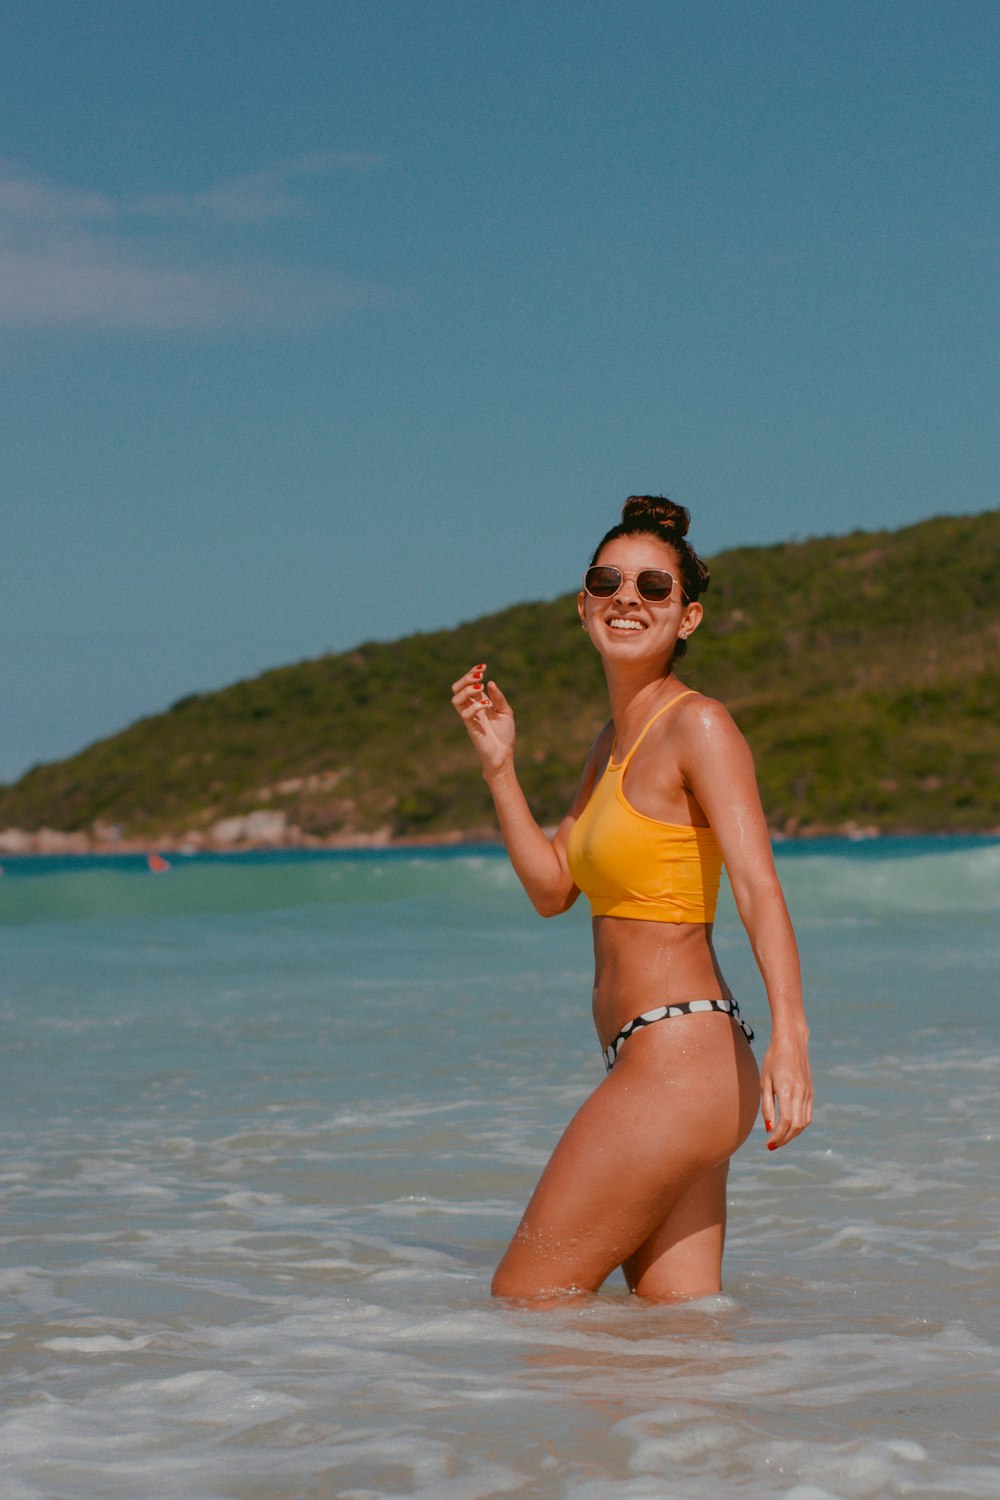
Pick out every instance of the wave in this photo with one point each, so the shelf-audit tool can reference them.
(915, 877)
(836, 880)
(68, 888)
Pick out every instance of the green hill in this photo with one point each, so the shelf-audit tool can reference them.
(864, 669)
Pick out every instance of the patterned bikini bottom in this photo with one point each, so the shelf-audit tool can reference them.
(667, 1013)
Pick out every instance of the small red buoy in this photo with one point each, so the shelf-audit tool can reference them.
(157, 863)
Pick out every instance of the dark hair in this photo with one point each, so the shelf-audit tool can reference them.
(655, 515)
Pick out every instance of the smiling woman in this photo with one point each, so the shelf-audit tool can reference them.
(668, 794)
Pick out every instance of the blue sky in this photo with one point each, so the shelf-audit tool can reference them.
(325, 322)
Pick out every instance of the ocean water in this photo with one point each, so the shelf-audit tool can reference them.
(268, 1123)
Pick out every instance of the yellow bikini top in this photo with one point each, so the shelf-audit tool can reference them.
(631, 865)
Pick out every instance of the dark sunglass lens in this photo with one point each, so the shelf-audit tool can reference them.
(602, 582)
(655, 585)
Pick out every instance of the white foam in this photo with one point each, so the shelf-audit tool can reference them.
(244, 1199)
(98, 1344)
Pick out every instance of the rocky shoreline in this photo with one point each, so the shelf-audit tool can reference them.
(230, 840)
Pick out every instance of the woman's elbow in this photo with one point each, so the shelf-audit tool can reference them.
(553, 903)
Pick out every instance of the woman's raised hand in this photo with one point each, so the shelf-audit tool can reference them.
(487, 716)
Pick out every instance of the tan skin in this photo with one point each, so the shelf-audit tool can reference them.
(638, 1179)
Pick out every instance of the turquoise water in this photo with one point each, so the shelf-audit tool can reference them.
(269, 1121)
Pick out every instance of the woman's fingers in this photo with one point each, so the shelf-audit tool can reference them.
(767, 1102)
(471, 679)
(791, 1120)
(472, 701)
(497, 696)
(487, 717)
(786, 1104)
(468, 693)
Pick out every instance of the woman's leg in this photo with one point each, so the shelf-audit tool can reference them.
(683, 1256)
(638, 1162)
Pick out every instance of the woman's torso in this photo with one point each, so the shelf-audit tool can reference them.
(640, 965)
(642, 962)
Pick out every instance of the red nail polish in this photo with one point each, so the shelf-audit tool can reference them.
(772, 1145)
(768, 1125)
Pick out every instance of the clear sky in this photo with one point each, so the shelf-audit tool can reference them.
(331, 320)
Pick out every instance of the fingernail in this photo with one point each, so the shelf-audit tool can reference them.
(772, 1145)
(768, 1125)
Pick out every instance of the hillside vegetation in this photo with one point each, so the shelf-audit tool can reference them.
(864, 670)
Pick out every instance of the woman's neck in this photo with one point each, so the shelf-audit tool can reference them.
(635, 697)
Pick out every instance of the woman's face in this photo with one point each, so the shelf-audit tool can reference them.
(625, 626)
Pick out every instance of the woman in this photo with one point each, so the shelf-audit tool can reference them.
(668, 794)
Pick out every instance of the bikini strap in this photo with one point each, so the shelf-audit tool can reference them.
(687, 693)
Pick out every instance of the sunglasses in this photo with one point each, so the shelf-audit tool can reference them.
(652, 584)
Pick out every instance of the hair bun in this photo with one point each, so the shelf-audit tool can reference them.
(655, 515)
(659, 510)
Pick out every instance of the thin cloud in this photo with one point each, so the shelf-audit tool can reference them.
(89, 284)
(80, 260)
(255, 196)
(25, 201)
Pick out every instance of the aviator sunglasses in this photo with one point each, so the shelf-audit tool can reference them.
(654, 585)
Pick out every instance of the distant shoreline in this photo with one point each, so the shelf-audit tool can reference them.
(15, 842)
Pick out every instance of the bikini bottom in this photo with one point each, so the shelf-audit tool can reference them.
(667, 1013)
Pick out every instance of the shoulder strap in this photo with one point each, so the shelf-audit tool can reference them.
(687, 693)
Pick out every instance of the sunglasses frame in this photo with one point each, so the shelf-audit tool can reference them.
(635, 577)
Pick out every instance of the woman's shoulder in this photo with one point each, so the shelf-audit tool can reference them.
(699, 718)
(707, 736)
(692, 704)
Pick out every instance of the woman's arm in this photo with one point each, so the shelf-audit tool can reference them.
(539, 862)
(717, 765)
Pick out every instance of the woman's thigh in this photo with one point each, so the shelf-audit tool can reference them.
(678, 1102)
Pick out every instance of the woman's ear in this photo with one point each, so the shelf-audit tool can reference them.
(581, 608)
(691, 619)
